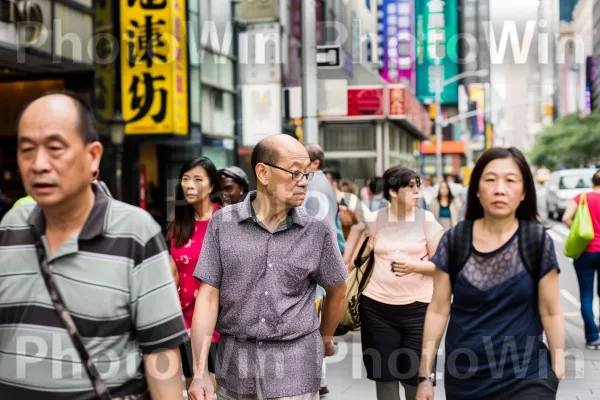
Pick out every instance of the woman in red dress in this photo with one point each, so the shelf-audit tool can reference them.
(197, 199)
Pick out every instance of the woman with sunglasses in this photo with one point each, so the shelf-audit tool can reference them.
(393, 305)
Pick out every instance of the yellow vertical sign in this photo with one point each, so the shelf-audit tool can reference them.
(104, 88)
(154, 67)
(489, 138)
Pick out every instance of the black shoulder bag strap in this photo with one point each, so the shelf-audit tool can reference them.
(65, 318)
(359, 262)
(532, 236)
(460, 240)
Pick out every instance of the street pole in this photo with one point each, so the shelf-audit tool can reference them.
(438, 121)
(310, 124)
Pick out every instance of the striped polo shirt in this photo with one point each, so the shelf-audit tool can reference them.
(115, 280)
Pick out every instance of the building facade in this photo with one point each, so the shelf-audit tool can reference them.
(596, 59)
(475, 53)
(583, 25)
(43, 47)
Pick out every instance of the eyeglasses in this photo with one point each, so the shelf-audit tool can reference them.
(296, 175)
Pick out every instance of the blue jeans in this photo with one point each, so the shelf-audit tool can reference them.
(586, 268)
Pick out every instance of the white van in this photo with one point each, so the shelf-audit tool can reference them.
(564, 185)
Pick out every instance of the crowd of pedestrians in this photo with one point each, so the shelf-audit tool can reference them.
(244, 295)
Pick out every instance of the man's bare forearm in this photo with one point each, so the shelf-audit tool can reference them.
(332, 310)
(203, 325)
(161, 386)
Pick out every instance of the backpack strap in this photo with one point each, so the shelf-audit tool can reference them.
(460, 239)
(532, 236)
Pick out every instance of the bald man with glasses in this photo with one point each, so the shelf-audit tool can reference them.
(261, 263)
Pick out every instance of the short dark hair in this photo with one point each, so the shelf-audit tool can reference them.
(528, 208)
(375, 185)
(335, 173)
(396, 178)
(596, 178)
(316, 153)
(264, 152)
(85, 115)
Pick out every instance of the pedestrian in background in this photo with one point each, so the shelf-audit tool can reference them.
(445, 207)
(393, 305)
(261, 262)
(587, 266)
(198, 197)
(235, 184)
(321, 199)
(351, 209)
(83, 275)
(372, 195)
(505, 293)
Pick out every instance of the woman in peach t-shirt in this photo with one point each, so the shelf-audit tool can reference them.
(394, 303)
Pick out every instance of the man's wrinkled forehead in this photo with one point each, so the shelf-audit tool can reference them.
(49, 116)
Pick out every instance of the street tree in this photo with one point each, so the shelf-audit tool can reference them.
(570, 142)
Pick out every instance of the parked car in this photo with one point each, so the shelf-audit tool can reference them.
(563, 186)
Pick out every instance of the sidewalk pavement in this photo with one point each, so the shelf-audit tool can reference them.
(347, 378)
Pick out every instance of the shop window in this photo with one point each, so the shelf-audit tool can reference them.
(357, 170)
(195, 95)
(226, 72)
(194, 38)
(355, 137)
(218, 99)
(210, 72)
(204, 13)
(76, 34)
(220, 151)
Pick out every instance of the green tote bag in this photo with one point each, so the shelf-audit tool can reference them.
(582, 230)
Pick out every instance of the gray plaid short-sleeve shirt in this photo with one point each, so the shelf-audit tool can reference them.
(268, 321)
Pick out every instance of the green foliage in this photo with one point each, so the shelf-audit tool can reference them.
(570, 142)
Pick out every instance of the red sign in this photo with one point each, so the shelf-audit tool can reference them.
(401, 103)
(365, 102)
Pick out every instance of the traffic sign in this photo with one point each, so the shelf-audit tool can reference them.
(329, 57)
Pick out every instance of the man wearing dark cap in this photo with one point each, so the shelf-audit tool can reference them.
(235, 184)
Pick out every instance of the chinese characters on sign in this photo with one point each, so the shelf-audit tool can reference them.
(406, 45)
(396, 32)
(154, 67)
(436, 31)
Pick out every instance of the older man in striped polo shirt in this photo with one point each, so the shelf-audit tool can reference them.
(109, 263)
